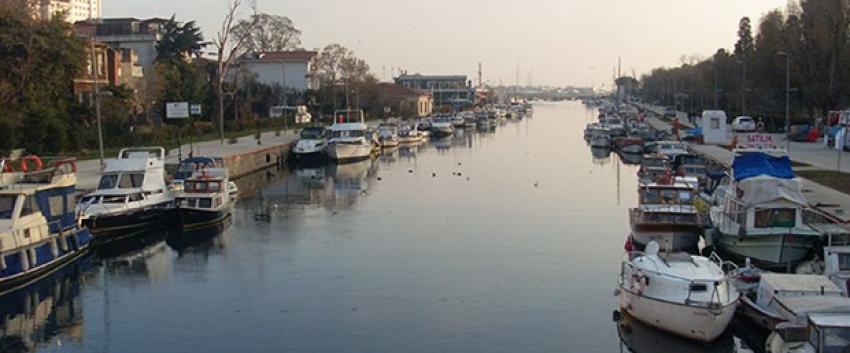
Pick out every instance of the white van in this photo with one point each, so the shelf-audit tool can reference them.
(714, 127)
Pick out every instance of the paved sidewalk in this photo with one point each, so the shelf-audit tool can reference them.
(88, 171)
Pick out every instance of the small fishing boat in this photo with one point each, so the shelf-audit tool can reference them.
(40, 232)
(780, 297)
(759, 209)
(311, 144)
(388, 135)
(408, 134)
(687, 295)
(442, 127)
(206, 198)
(131, 196)
(653, 167)
(457, 120)
(348, 141)
(814, 333)
(669, 149)
(666, 214)
(601, 137)
(629, 144)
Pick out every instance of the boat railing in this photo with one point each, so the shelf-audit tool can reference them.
(694, 284)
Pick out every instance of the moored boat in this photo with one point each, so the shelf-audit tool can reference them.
(348, 141)
(667, 215)
(205, 199)
(629, 144)
(311, 144)
(687, 295)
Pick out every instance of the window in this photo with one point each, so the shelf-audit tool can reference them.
(56, 205)
(668, 196)
(685, 197)
(214, 187)
(136, 197)
(108, 181)
(775, 218)
(7, 206)
(835, 339)
(204, 203)
(131, 180)
(115, 199)
(650, 197)
(70, 203)
(29, 206)
(199, 186)
(844, 262)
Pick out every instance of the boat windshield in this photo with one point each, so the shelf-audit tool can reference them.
(666, 197)
(312, 134)
(776, 218)
(655, 162)
(108, 181)
(834, 339)
(7, 206)
(347, 134)
(131, 180)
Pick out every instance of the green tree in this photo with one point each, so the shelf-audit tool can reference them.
(268, 33)
(179, 41)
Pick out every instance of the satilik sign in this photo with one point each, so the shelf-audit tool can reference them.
(760, 141)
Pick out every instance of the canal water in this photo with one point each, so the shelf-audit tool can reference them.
(505, 240)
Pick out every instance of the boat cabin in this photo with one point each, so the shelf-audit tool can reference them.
(821, 333)
(668, 202)
(190, 165)
(205, 189)
(313, 133)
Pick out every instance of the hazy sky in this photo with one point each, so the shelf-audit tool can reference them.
(562, 41)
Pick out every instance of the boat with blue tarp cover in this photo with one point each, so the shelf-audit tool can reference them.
(39, 232)
(758, 210)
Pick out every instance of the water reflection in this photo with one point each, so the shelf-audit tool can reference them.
(207, 240)
(638, 337)
(601, 156)
(631, 158)
(46, 313)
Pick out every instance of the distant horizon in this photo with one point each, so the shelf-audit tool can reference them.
(575, 43)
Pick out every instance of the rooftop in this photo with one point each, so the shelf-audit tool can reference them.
(284, 56)
(430, 77)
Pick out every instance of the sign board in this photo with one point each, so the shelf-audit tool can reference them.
(195, 109)
(177, 110)
(760, 141)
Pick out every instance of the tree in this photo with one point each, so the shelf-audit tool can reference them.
(335, 63)
(744, 47)
(229, 45)
(268, 33)
(179, 41)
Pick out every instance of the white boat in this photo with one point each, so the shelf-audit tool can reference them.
(205, 200)
(408, 134)
(388, 135)
(457, 120)
(666, 214)
(780, 298)
(814, 333)
(131, 196)
(442, 127)
(600, 137)
(758, 211)
(669, 149)
(614, 124)
(348, 140)
(687, 295)
(233, 190)
(311, 143)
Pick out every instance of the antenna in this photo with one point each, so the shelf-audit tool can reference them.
(480, 76)
(619, 63)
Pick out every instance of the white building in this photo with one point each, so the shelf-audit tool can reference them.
(289, 69)
(77, 10)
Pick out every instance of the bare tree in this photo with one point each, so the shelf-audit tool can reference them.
(269, 33)
(229, 46)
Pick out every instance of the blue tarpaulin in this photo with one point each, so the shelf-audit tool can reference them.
(748, 165)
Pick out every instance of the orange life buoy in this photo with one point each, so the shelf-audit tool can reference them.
(7, 166)
(69, 162)
(34, 159)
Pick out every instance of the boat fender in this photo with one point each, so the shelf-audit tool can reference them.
(37, 163)
(2, 262)
(7, 167)
(33, 258)
(63, 243)
(54, 248)
(25, 263)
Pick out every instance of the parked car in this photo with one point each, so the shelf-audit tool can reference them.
(744, 124)
(670, 111)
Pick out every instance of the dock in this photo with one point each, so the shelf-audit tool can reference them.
(241, 158)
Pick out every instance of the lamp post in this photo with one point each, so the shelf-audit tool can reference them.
(96, 98)
(787, 99)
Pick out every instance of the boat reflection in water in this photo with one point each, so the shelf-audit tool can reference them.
(638, 337)
(442, 143)
(351, 180)
(46, 314)
(205, 240)
(389, 155)
(601, 156)
(631, 158)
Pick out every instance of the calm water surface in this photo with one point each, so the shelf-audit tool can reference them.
(490, 241)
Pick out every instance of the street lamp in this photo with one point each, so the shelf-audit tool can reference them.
(787, 99)
(94, 69)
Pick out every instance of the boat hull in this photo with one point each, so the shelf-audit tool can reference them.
(667, 239)
(14, 276)
(309, 156)
(699, 323)
(191, 218)
(107, 228)
(349, 152)
(772, 251)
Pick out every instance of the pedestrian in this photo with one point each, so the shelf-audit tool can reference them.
(760, 125)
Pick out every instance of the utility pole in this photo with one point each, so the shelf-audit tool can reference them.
(480, 76)
(96, 98)
(716, 90)
(787, 99)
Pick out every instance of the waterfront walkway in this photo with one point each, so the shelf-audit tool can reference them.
(88, 171)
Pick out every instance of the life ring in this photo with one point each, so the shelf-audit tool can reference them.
(69, 162)
(7, 167)
(34, 159)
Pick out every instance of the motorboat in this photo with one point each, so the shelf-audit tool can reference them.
(778, 298)
(814, 333)
(348, 141)
(39, 232)
(206, 198)
(388, 135)
(457, 120)
(652, 167)
(187, 166)
(687, 295)
(614, 124)
(692, 165)
(758, 211)
(667, 215)
(442, 127)
(669, 149)
(131, 196)
(311, 144)
(408, 134)
(629, 144)
(600, 137)
(469, 120)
